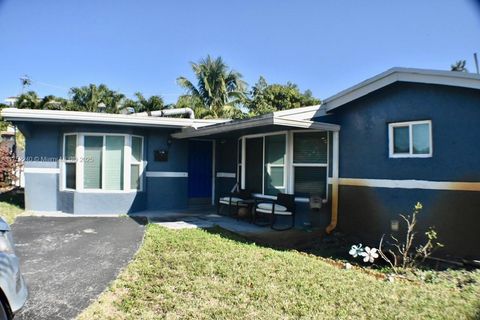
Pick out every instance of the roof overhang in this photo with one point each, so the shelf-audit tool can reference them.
(449, 78)
(30, 115)
(268, 120)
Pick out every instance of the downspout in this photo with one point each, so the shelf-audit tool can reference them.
(168, 112)
(334, 217)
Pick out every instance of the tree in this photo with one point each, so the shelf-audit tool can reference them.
(51, 102)
(267, 98)
(219, 88)
(28, 100)
(145, 105)
(459, 66)
(88, 98)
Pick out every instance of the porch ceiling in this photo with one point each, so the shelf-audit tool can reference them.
(253, 125)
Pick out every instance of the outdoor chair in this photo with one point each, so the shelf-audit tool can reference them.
(234, 201)
(266, 209)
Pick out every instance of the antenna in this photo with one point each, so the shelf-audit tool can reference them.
(476, 62)
(25, 81)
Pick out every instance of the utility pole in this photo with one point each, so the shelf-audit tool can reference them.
(476, 62)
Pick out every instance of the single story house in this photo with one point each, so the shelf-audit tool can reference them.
(371, 151)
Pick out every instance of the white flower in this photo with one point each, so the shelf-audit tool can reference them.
(356, 251)
(369, 255)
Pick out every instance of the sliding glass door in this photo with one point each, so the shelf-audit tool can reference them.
(265, 164)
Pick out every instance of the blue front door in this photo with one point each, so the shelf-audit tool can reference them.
(199, 169)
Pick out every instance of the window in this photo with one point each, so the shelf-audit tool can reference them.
(264, 163)
(239, 161)
(310, 163)
(92, 162)
(136, 163)
(410, 139)
(291, 162)
(254, 165)
(70, 146)
(111, 162)
(274, 164)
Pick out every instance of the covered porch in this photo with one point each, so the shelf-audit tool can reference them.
(278, 152)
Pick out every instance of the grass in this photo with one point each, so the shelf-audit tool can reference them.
(195, 274)
(11, 205)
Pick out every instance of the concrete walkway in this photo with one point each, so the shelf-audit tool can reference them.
(192, 219)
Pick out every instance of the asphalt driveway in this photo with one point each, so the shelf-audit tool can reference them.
(68, 261)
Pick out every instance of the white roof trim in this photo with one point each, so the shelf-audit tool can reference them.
(303, 113)
(449, 78)
(29, 115)
(265, 120)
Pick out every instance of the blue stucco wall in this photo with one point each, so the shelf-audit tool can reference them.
(455, 116)
(42, 193)
(41, 152)
(454, 113)
(166, 192)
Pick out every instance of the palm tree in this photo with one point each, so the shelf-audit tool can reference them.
(218, 87)
(28, 100)
(51, 102)
(88, 98)
(143, 104)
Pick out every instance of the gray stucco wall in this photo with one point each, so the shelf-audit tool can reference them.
(455, 116)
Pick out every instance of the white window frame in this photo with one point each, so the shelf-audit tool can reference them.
(410, 154)
(140, 163)
(64, 161)
(80, 156)
(288, 165)
(311, 165)
(240, 143)
(284, 165)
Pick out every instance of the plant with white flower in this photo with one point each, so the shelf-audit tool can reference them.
(356, 250)
(370, 254)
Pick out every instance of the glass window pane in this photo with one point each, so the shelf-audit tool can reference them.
(310, 180)
(135, 177)
(275, 149)
(92, 168)
(114, 162)
(310, 147)
(274, 181)
(136, 149)
(239, 176)
(254, 164)
(239, 151)
(276, 176)
(401, 140)
(70, 147)
(70, 175)
(421, 138)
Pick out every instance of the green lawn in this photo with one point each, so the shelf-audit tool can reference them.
(10, 207)
(195, 274)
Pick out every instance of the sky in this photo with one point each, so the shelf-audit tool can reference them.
(144, 45)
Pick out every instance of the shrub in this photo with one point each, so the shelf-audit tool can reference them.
(401, 253)
(8, 166)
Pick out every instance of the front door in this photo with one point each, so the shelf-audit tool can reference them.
(200, 172)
